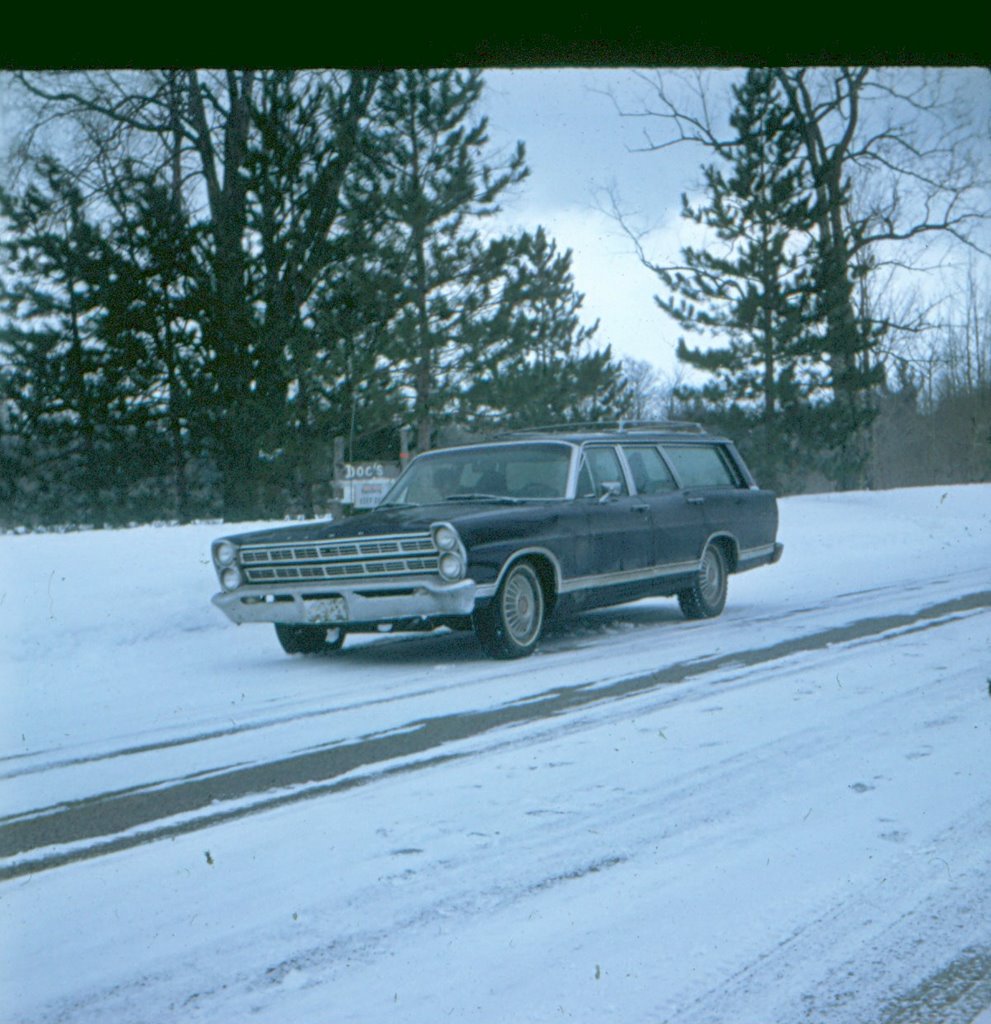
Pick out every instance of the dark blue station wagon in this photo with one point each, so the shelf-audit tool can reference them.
(498, 536)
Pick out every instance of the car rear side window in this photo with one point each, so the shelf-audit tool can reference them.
(650, 473)
(699, 465)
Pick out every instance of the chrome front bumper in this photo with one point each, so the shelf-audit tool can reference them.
(365, 603)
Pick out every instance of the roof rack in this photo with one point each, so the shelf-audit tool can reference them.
(614, 426)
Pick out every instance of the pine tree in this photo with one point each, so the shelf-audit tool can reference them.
(288, 141)
(359, 396)
(543, 368)
(343, 382)
(62, 377)
(756, 289)
(152, 315)
(437, 189)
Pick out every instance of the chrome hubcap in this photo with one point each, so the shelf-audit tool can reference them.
(711, 577)
(522, 605)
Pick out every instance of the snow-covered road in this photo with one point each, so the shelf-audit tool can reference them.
(780, 815)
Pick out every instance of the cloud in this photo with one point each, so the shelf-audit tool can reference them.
(619, 290)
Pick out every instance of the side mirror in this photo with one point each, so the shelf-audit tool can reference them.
(609, 489)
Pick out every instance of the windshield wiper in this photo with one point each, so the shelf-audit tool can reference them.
(503, 498)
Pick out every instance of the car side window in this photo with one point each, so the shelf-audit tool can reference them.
(604, 465)
(650, 473)
(586, 486)
(701, 465)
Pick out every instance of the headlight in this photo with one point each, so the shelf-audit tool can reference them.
(230, 578)
(445, 538)
(225, 553)
(450, 566)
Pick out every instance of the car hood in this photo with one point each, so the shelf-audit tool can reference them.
(468, 518)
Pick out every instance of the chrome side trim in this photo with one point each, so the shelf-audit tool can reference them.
(607, 579)
(764, 551)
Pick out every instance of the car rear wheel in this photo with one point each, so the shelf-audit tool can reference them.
(706, 597)
(308, 639)
(511, 624)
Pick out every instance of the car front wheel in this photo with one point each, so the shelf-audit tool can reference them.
(308, 639)
(511, 624)
(706, 597)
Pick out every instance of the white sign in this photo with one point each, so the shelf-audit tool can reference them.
(362, 484)
(368, 493)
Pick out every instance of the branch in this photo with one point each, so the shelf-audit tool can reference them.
(688, 127)
(124, 111)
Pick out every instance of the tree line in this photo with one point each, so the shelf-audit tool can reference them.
(209, 276)
(234, 268)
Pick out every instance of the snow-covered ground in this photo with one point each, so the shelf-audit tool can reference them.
(780, 815)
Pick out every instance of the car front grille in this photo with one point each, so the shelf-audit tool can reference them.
(406, 554)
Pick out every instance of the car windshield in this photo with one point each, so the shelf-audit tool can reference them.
(505, 472)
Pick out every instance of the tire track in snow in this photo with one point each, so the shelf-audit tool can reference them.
(582, 632)
(78, 830)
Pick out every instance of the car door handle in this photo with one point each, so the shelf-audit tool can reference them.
(641, 508)
(695, 501)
